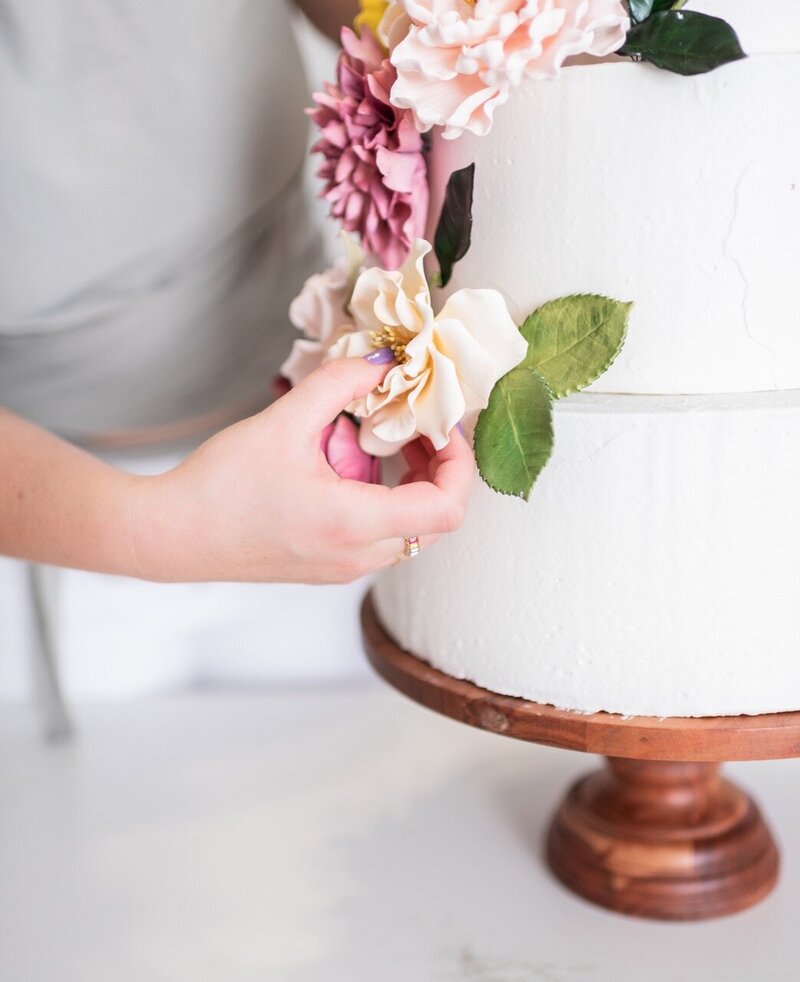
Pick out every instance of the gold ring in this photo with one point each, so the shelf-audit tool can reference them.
(411, 546)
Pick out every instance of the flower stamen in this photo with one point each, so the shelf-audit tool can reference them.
(389, 337)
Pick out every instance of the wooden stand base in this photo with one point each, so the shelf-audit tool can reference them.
(667, 840)
(656, 833)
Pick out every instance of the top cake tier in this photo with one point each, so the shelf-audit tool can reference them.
(680, 194)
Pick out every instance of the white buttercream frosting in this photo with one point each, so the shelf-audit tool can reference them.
(653, 572)
(682, 195)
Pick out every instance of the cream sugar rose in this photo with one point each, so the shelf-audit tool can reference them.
(447, 362)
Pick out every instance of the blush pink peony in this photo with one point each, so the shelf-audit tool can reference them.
(373, 168)
(457, 60)
(320, 311)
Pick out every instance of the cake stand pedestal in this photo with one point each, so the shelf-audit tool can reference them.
(657, 832)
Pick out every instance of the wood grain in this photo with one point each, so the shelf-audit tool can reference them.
(662, 840)
(658, 832)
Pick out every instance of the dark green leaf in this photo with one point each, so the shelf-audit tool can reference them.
(514, 435)
(572, 341)
(454, 231)
(641, 9)
(685, 42)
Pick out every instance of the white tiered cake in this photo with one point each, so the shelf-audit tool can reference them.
(653, 571)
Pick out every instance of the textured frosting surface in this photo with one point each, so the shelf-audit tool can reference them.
(682, 195)
(653, 572)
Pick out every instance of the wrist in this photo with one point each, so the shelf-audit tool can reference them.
(155, 544)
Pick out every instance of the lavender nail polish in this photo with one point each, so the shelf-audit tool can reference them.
(460, 428)
(381, 356)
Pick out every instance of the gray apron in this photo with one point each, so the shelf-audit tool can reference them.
(153, 227)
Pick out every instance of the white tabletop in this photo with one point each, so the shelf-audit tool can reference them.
(340, 835)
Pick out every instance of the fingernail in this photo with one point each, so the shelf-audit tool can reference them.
(381, 356)
(460, 428)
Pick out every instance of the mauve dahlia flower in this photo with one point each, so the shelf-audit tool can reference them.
(373, 168)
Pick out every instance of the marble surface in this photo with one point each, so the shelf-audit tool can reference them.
(328, 835)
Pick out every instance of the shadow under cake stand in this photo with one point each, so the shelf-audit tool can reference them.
(657, 832)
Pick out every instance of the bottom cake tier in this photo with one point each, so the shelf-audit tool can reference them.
(655, 570)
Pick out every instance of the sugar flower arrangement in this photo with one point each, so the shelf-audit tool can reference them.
(449, 65)
(447, 363)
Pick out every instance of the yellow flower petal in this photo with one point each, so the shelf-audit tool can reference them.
(370, 15)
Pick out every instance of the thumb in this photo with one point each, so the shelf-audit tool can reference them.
(323, 394)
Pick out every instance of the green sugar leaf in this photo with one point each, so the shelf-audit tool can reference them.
(454, 231)
(684, 41)
(641, 9)
(572, 341)
(514, 434)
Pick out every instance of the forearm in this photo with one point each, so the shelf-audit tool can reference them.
(62, 506)
(256, 502)
(329, 15)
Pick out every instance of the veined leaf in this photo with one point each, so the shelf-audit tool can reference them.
(572, 341)
(514, 434)
(686, 42)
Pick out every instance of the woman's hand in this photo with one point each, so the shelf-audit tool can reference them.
(259, 502)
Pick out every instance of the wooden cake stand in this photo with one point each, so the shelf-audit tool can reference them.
(657, 832)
